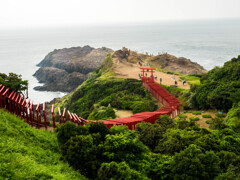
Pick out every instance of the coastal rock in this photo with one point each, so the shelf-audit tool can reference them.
(175, 64)
(65, 69)
(163, 61)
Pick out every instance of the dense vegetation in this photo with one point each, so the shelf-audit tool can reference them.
(219, 88)
(233, 116)
(27, 153)
(96, 97)
(13, 81)
(169, 149)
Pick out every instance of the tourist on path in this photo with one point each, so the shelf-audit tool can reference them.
(183, 82)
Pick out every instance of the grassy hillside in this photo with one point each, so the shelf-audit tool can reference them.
(27, 153)
(92, 98)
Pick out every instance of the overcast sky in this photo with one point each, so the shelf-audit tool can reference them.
(35, 13)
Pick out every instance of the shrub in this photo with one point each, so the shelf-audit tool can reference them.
(68, 130)
(115, 170)
(102, 113)
(81, 152)
(219, 88)
(218, 123)
(196, 113)
(98, 128)
(118, 129)
(209, 121)
(220, 115)
(233, 116)
(206, 116)
(182, 116)
(194, 118)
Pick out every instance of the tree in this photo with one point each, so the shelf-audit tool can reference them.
(125, 147)
(84, 154)
(121, 170)
(192, 163)
(68, 130)
(98, 128)
(14, 82)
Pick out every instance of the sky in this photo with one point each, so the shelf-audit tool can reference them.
(40, 13)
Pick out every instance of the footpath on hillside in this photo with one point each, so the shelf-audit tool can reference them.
(130, 70)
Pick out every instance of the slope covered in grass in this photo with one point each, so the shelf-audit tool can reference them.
(91, 99)
(27, 153)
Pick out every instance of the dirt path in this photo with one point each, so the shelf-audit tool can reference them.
(129, 70)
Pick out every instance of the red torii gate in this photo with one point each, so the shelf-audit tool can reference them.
(147, 70)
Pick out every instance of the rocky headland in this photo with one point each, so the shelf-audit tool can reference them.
(163, 61)
(65, 69)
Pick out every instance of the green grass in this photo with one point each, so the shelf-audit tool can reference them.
(28, 153)
(120, 93)
(166, 71)
(107, 67)
(191, 79)
(174, 90)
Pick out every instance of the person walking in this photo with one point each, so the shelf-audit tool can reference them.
(183, 82)
(160, 80)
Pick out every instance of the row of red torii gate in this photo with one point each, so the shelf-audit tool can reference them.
(33, 114)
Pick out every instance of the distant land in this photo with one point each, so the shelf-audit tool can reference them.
(65, 69)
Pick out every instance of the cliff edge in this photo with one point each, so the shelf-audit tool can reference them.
(65, 69)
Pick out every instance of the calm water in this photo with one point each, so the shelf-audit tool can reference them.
(210, 43)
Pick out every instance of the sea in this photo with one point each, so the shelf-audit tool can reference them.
(210, 43)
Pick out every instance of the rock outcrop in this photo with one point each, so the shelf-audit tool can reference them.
(163, 61)
(181, 64)
(65, 69)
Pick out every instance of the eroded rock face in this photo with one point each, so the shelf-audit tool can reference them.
(65, 69)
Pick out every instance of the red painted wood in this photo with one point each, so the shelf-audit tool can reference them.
(38, 116)
(69, 116)
(60, 115)
(44, 115)
(53, 118)
(64, 115)
(31, 113)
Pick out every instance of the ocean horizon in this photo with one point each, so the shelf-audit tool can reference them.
(210, 43)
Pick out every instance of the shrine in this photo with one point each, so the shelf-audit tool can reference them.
(145, 76)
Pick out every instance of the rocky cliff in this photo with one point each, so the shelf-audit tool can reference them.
(65, 69)
(163, 61)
